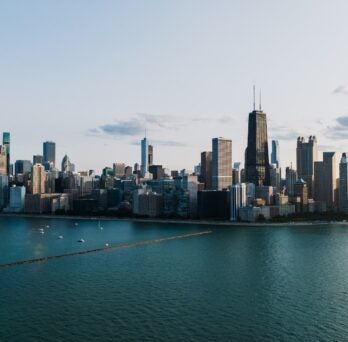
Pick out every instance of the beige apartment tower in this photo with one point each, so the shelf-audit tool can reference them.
(221, 163)
(38, 180)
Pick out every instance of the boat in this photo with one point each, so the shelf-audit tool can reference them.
(60, 237)
(47, 226)
(81, 240)
(107, 245)
(76, 224)
(100, 227)
(42, 232)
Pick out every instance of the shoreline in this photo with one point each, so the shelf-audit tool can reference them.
(174, 221)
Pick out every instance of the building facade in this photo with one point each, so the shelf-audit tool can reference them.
(49, 153)
(206, 169)
(325, 185)
(221, 163)
(343, 183)
(256, 154)
(306, 156)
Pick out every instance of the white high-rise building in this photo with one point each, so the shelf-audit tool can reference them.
(238, 199)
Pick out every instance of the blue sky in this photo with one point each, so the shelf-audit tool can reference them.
(93, 75)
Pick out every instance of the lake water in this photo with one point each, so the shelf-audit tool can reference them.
(235, 284)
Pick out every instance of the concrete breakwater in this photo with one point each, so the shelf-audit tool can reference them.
(101, 249)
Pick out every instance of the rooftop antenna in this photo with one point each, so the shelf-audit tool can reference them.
(260, 101)
(254, 95)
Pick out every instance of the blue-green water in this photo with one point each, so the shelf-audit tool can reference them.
(236, 284)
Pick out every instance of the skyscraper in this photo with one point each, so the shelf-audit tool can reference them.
(150, 155)
(37, 159)
(275, 153)
(6, 143)
(221, 163)
(3, 160)
(256, 154)
(290, 180)
(67, 166)
(23, 166)
(325, 186)
(206, 169)
(238, 199)
(38, 181)
(144, 157)
(343, 185)
(49, 153)
(306, 156)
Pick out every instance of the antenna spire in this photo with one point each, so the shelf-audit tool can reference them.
(254, 96)
(260, 101)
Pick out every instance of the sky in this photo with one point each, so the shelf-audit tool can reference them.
(94, 75)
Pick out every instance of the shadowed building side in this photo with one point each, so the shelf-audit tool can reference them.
(257, 169)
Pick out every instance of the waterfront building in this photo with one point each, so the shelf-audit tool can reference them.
(147, 203)
(49, 154)
(17, 198)
(190, 183)
(221, 163)
(6, 143)
(38, 180)
(256, 154)
(275, 153)
(343, 183)
(4, 183)
(306, 156)
(213, 204)
(325, 184)
(238, 199)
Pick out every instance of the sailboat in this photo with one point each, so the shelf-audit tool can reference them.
(99, 226)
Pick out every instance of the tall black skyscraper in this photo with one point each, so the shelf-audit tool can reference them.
(256, 154)
(49, 152)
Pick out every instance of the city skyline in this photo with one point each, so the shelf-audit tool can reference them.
(72, 77)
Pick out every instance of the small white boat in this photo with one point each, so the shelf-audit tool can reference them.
(47, 226)
(76, 224)
(81, 240)
(60, 237)
(100, 227)
(107, 245)
(42, 232)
